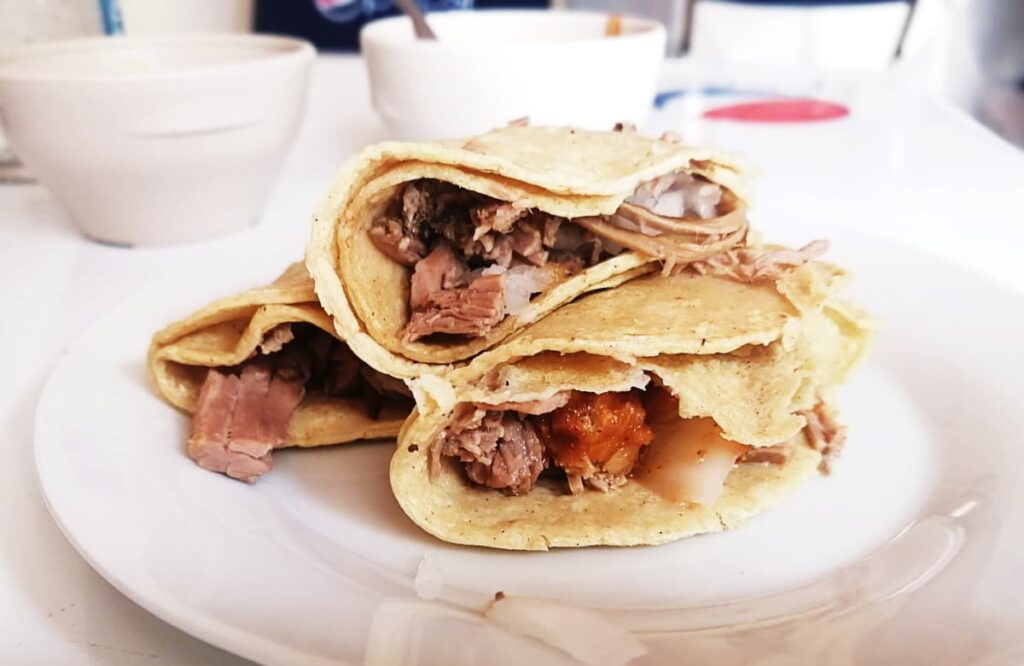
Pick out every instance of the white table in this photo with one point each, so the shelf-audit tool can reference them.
(55, 610)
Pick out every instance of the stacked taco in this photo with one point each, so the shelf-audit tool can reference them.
(599, 350)
(563, 437)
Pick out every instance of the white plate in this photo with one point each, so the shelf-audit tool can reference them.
(912, 552)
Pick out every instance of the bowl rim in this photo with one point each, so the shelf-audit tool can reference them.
(277, 48)
(642, 29)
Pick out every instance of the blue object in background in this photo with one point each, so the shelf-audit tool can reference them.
(333, 25)
(110, 12)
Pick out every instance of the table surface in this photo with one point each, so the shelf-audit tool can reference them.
(54, 609)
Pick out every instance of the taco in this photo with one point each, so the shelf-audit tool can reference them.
(264, 370)
(427, 254)
(706, 422)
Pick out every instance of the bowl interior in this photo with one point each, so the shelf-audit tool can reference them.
(146, 56)
(508, 27)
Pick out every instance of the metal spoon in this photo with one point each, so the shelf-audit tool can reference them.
(419, 22)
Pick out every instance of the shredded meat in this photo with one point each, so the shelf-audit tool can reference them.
(824, 434)
(751, 265)
(498, 216)
(448, 235)
(497, 449)
(389, 237)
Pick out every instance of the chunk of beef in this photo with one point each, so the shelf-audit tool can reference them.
(473, 310)
(498, 450)
(498, 216)
(240, 419)
(390, 236)
(441, 270)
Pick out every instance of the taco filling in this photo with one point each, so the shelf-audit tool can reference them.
(599, 441)
(476, 259)
(243, 412)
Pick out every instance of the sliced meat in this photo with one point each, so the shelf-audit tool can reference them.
(242, 413)
(211, 431)
(390, 236)
(265, 405)
(251, 433)
(528, 243)
(497, 449)
(280, 402)
(517, 461)
(498, 216)
(440, 270)
(472, 310)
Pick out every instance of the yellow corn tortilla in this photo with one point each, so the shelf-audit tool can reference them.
(753, 390)
(228, 331)
(562, 171)
(682, 315)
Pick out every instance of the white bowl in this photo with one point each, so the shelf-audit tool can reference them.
(490, 67)
(155, 140)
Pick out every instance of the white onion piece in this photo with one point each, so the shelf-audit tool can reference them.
(687, 461)
(582, 633)
(428, 582)
(670, 204)
(676, 194)
(522, 282)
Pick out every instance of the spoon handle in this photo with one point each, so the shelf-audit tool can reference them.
(419, 22)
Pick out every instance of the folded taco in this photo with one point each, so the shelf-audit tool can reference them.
(430, 253)
(555, 446)
(264, 370)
